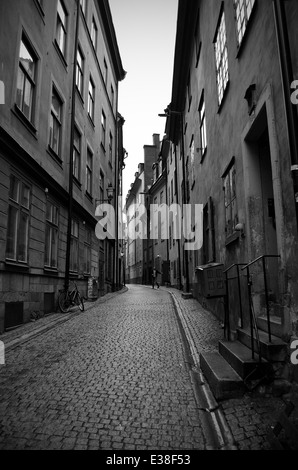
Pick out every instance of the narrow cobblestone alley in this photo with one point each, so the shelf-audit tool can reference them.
(113, 377)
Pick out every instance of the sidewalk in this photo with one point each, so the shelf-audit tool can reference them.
(28, 330)
(248, 418)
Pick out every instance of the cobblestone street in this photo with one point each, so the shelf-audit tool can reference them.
(123, 375)
(113, 377)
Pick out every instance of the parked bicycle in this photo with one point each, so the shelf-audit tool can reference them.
(69, 298)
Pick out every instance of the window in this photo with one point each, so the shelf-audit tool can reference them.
(101, 186)
(80, 71)
(83, 4)
(198, 42)
(91, 99)
(74, 246)
(221, 58)
(105, 71)
(103, 129)
(208, 233)
(89, 171)
(112, 96)
(243, 10)
(94, 33)
(55, 122)
(77, 154)
(61, 28)
(26, 79)
(230, 199)
(87, 252)
(51, 241)
(203, 130)
(110, 148)
(18, 221)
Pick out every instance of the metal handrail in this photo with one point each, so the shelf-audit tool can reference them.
(253, 318)
(235, 265)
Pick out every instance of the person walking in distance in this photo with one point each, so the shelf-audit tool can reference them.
(155, 273)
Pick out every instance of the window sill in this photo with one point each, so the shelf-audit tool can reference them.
(16, 266)
(54, 155)
(77, 182)
(204, 153)
(60, 54)
(232, 238)
(80, 96)
(49, 270)
(91, 121)
(24, 120)
(224, 97)
(88, 196)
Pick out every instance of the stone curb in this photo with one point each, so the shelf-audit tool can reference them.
(204, 397)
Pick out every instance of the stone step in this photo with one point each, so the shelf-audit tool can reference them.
(276, 351)
(224, 382)
(275, 325)
(240, 358)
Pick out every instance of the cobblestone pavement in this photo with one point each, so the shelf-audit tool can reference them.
(113, 377)
(117, 377)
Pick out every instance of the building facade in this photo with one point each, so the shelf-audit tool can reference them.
(232, 123)
(60, 150)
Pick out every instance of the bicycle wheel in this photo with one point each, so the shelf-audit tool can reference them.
(64, 302)
(80, 302)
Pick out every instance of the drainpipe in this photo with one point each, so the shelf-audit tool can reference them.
(179, 240)
(184, 202)
(286, 68)
(70, 184)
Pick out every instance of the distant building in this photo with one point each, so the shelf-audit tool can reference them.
(41, 138)
(139, 245)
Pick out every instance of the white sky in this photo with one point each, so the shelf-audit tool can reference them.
(146, 32)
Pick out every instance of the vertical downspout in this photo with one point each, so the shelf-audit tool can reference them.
(70, 184)
(179, 240)
(184, 201)
(287, 78)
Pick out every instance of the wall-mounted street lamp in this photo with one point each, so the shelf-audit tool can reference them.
(110, 195)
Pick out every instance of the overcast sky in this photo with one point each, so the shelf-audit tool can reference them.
(146, 32)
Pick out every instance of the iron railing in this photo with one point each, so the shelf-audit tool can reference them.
(253, 320)
(227, 280)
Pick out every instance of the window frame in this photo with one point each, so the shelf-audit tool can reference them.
(56, 119)
(230, 201)
(203, 126)
(89, 172)
(80, 71)
(74, 246)
(221, 57)
(91, 99)
(87, 251)
(20, 208)
(60, 26)
(77, 155)
(94, 33)
(27, 78)
(241, 32)
(103, 129)
(53, 227)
